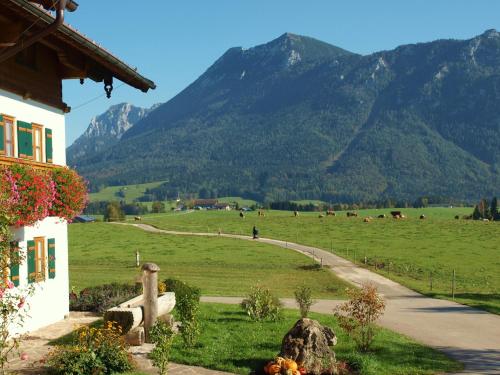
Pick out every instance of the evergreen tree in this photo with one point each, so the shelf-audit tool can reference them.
(476, 215)
(495, 215)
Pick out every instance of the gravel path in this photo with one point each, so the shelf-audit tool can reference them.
(469, 335)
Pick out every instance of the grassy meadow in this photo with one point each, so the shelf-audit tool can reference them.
(413, 252)
(101, 253)
(132, 192)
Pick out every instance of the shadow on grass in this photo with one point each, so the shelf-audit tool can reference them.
(488, 302)
(310, 267)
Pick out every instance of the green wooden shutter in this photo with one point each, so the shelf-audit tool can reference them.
(52, 258)
(2, 136)
(25, 139)
(31, 262)
(48, 145)
(14, 264)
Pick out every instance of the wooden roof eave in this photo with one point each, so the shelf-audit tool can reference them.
(110, 65)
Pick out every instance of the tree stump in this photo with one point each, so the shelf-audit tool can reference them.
(308, 343)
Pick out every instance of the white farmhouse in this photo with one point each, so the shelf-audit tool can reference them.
(37, 51)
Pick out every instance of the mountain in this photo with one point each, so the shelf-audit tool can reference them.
(105, 130)
(299, 118)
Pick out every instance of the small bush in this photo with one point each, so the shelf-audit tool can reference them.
(162, 336)
(188, 306)
(101, 298)
(261, 304)
(96, 351)
(303, 296)
(357, 316)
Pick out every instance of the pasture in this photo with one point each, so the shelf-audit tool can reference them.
(101, 253)
(131, 192)
(420, 254)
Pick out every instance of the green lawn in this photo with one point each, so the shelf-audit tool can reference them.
(410, 251)
(132, 192)
(231, 342)
(102, 253)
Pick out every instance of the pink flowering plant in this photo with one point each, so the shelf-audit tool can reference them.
(13, 307)
(27, 196)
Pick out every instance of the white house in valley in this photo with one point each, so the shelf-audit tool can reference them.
(37, 51)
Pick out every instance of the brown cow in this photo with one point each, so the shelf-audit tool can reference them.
(137, 218)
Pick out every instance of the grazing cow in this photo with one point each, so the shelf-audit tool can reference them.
(352, 214)
(367, 219)
(457, 217)
(296, 213)
(137, 218)
(396, 214)
(382, 216)
(321, 216)
(242, 215)
(422, 217)
(331, 213)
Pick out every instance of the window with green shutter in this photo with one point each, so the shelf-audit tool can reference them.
(2, 136)
(31, 262)
(48, 145)
(14, 263)
(52, 258)
(25, 139)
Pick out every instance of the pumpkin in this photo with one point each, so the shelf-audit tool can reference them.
(290, 364)
(266, 367)
(279, 360)
(273, 369)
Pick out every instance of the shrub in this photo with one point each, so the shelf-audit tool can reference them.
(100, 298)
(303, 296)
(261, 304)
(357, 316)
(162, 336)
(95, 351)
(188, 306)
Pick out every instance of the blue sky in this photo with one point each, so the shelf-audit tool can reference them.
(174, 42)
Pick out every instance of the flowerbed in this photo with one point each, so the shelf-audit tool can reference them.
(29, 195)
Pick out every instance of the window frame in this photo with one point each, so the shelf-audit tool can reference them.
(13, 134)
(37, 127)
(40, 259)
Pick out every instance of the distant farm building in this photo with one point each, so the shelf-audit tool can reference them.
(205, 203)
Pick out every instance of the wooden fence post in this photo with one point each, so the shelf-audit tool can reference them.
(150, 287)
(453, 285)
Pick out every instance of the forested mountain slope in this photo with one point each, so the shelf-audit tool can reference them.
(298, 118)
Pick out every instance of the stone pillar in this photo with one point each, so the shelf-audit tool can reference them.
(150, 287)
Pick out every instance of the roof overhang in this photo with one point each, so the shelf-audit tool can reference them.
(83, 57)
(71, 5)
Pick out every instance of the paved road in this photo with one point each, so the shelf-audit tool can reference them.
(469, 335)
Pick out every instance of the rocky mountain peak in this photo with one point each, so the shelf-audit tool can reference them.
(106, 129)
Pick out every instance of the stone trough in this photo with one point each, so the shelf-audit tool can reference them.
(139, 314)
